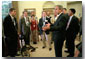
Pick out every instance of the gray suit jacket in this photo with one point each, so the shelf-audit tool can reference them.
(24, 29)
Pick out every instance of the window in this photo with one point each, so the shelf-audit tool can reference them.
(6, 5)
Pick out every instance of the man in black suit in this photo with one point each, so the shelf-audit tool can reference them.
(72, 29)
(67, 16)
(59, 30)
(44, 35)
(10, 32)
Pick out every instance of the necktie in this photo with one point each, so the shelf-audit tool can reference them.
(68, 22)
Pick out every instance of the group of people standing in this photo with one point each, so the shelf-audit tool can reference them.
(65, 27)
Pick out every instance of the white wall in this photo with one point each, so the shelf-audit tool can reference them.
(77, 6)
(38, 5)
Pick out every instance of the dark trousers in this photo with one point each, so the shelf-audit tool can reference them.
(11, 44)
(70, 43)
(58, 44)
(27, 39)
(3, 48)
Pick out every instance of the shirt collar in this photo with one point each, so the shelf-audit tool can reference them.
(11, 16)
(59, 14)
(71, 16)
(48, 16)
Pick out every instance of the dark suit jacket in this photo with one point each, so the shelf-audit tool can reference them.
(10, 30)
(67, 16)
(59, 27)
(41, 24)
(73, 27)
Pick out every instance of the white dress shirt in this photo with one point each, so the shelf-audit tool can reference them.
(26, 21)
(57, 16)
(44, 18)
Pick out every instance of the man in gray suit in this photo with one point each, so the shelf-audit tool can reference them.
(25, 27)
(58, 29)
(25, 30)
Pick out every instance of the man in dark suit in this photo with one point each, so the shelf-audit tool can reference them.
(44, 35)
(72, 29)
(10, 32)
(67, 16)
(59, 30)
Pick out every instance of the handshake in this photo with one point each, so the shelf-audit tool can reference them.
(46, 27)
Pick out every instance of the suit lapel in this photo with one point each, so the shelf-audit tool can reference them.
(13, 22)
(58, 19)
(11, 19)
(24, 21)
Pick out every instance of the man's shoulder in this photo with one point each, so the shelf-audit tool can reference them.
(75, 17)
(22, 18)
(63, 15)
(40, 19)
(7, 18)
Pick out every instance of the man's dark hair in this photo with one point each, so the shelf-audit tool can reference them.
(64, 9)
(11, 9)
(33, 16)
(73, 10)
(25, 11)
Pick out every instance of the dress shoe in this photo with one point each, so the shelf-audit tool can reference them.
(41, 39)
(51, 42)
(34, 42)
(44, 47)
(50, 49)
(66, 51)
(33, 50)
(70, 56)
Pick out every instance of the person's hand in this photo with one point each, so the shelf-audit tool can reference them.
(46, 27)
(19, 33)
